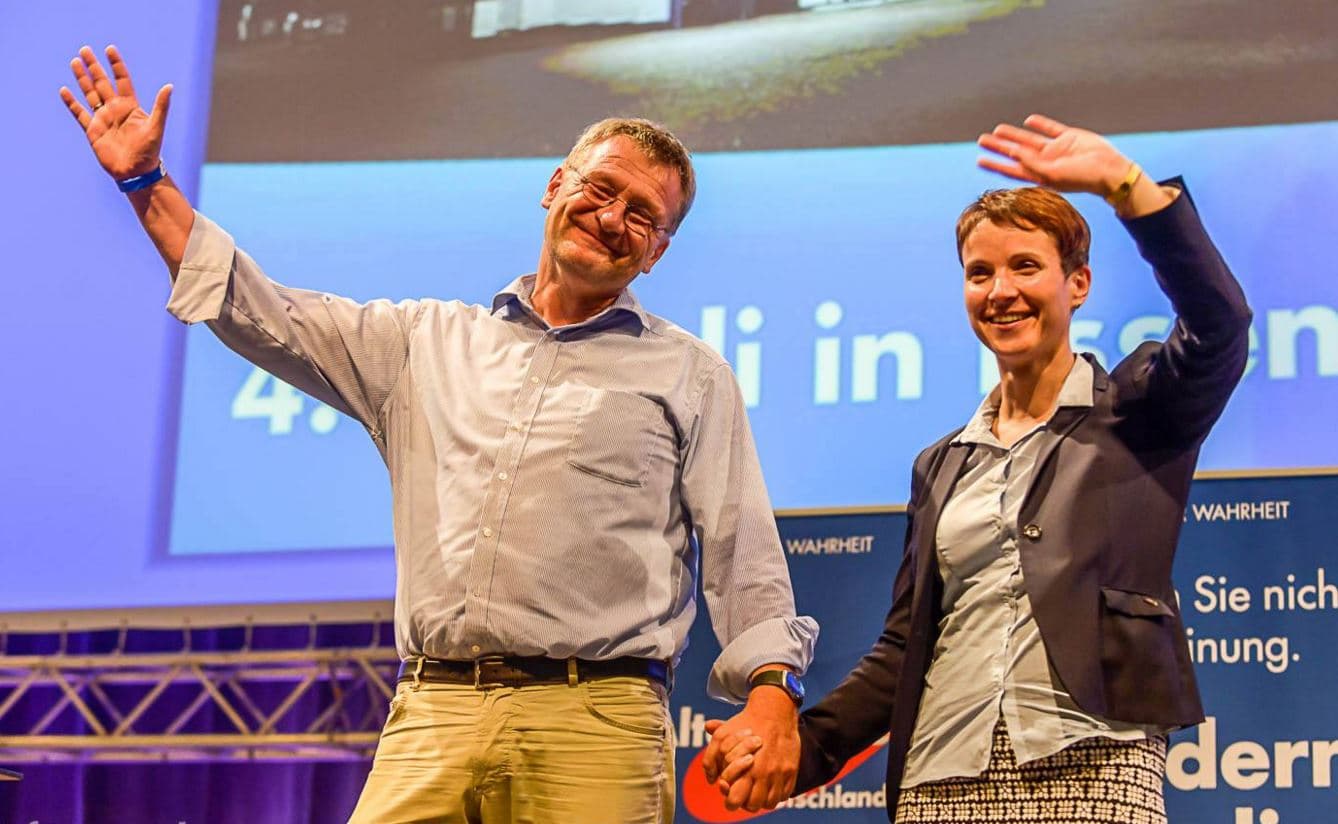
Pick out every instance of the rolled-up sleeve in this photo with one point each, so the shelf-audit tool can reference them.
(344, 353)
(201, 283)
(745, 579)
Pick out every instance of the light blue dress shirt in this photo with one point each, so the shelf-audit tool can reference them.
(556, 491)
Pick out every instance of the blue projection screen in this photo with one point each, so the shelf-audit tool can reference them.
(401, 151)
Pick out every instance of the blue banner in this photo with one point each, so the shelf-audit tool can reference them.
(1259, 597)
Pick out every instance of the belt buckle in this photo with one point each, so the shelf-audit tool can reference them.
(479, 663)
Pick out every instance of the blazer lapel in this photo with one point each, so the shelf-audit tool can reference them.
(1062, 423)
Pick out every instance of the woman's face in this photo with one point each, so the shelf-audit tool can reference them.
(1019, 300)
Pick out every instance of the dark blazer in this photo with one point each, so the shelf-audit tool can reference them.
(1099, 527)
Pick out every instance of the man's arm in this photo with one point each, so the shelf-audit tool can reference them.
(854, 714)
(127, 142)
(745, 580)
(346, 354)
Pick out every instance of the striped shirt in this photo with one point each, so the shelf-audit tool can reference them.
(556, 490)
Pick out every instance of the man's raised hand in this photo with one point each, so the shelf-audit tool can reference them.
(126, 140)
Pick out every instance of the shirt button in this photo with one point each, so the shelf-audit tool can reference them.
(501, 476)
(534, 380)
(476, 649)
(487, 532)
(1032, 531)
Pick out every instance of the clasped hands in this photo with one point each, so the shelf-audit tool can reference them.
(753, 758)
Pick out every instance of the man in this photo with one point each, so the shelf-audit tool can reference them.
(561, 464)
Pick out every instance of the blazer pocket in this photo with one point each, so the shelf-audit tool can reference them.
(1139, 665)
(614, 436)
(1135, 604)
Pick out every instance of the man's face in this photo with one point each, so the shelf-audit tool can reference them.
(1019, 300)
(596, 248)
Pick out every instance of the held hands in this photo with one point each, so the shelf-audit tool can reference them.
(126, 139)
(754, 756)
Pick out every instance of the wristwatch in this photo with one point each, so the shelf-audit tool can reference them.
(784, 679)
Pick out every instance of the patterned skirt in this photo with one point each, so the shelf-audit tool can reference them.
(1093, 781)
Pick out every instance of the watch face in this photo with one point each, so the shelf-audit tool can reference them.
(794, 686)
(787, 681)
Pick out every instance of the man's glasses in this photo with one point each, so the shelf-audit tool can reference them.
(635, 217)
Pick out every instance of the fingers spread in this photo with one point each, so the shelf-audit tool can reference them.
(158, 117)
(1021, 154)
(1022, 137)
(999, 145)
(101, 82)
(1007, 169)
(1045, 125)
(80, 113)
(85, 82)
(121, 73)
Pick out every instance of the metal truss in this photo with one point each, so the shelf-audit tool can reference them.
(302, 704)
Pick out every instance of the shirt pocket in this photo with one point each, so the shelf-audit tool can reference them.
(614, 436)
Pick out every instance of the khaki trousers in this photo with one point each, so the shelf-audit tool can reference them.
(599, 752)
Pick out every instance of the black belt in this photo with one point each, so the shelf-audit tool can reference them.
(493, 671)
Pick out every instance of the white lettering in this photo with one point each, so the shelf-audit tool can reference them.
(834, 545)
(1245, 765)
(836, 797)
(691, 728)
(1242, 511)
(1322, 594)
(1285, 326)
(827, 357)
(1142, 329)
(748, 356)
(1193, 765)
(869, 351)
(1083, 335)
(1214, 596)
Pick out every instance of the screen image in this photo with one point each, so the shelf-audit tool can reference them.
(401, 152)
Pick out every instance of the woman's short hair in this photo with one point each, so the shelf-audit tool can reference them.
(1031, 208)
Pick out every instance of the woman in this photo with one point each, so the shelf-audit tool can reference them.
(1034, 657)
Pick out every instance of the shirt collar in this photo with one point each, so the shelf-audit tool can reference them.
(520, 292)
(1077, 391)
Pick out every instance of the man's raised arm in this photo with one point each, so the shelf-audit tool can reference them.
(127, 142)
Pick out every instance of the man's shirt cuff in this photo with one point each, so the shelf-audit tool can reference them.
(787, 641)
(201, 284)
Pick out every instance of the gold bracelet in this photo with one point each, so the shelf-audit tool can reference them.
(1126, 186)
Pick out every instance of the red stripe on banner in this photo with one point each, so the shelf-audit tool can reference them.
(704, 802)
